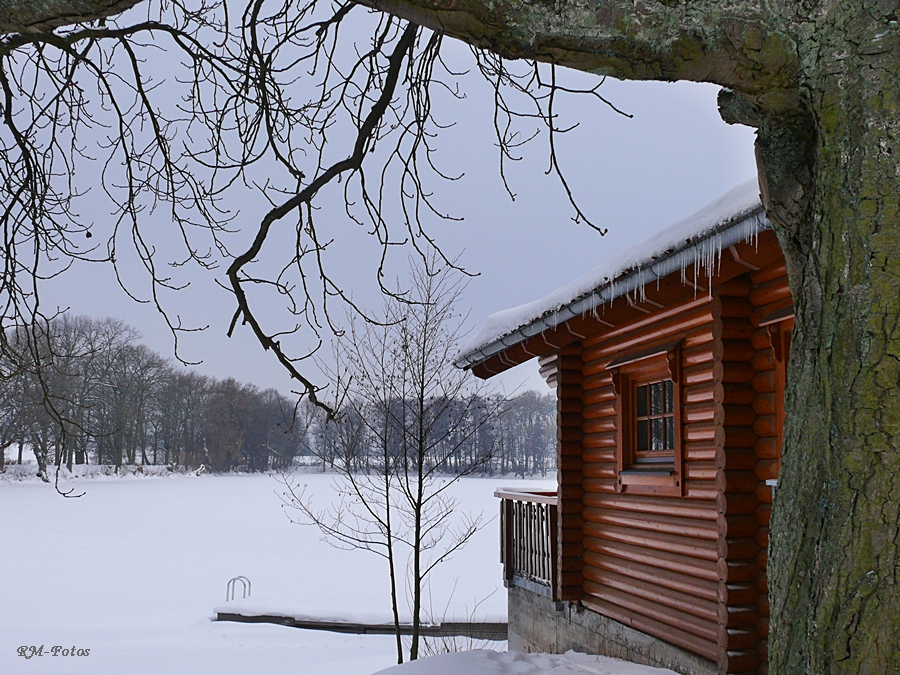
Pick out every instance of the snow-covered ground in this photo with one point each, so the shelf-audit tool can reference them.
(131, 573)
(133, 570)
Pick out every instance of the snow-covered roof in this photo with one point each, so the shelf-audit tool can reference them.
(696, 241)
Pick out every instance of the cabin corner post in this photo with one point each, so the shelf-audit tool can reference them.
(741, 646)
(570, 492)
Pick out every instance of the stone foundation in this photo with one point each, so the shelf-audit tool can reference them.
(537, 624)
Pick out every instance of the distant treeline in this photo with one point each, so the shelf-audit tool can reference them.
(101, 397)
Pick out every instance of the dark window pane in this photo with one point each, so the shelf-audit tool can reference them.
(656, 442)
(670, 396)
(642, 401)
(656, 398)
(643, 434)
(670, 433)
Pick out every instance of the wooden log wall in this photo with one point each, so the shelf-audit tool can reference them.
(568, 378)
(771, 299)
(653, 562)
(737, 503)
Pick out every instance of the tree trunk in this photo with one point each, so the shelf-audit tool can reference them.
(834, 555)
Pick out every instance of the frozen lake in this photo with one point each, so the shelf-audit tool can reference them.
(133, 569)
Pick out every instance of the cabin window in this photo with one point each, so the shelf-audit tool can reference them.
(648, 447)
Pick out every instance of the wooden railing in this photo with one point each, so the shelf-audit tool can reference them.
(528, 539)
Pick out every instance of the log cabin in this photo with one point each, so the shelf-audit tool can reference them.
(669, 368)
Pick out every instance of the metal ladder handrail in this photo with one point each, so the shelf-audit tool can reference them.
(232, 583)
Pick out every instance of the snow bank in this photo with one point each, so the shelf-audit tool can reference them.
(735, 205)
(486, 662)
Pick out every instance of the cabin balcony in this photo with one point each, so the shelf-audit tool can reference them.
(529, 540)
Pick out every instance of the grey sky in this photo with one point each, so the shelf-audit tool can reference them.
(632, 176)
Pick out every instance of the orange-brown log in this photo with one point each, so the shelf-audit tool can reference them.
(739, 415)
(701, 354)
(699, 452)
(740, 437)
(737, 371)
(741, 459)
(763, 649)
(739, 287)
(654, 594)
(605, 440)
(764, 514)
(763, 359)
(764, 311)
(606, 470)
(762, 626)
(732, 307)
(671, 634)
(699, 588)
(702, 433)
(598, 410)
(694, 567)
(701, 489)
(770, 291)
(737, 526)
(702, 412)
(701, 393)
(762, 604)
(767, 447)
(736, 329)
(602, 380)
(570, 463)
(766, 425)
(738, 638)
(762, 537)
(764, 493)
(602, 454)
(740, 662)
(597, 395)
(571, 549)
(762, 582)
(571, 491)
(738, 393)
(767, 469)
(706, 373)
(761, 339)
(569, 406)
(707, 471)
(599, 426)
(708, 630)
(740, 615)
(738, 481)
(765, 381)
(686, 527)
(672, 320)
(737, 350)
(738, 594)
(736, 504)
(654, 505)
(700, 335)
(693, 548)
(764, 404)
(569, 433)
(762, 559)
(599, 485)
(571, 520)
(737, 571)
(742, 548)
(769, 272)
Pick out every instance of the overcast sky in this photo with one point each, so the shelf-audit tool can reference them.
(632, 176)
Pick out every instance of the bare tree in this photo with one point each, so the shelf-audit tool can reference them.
(408, 417)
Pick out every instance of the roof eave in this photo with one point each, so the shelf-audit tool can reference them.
(729, 234)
